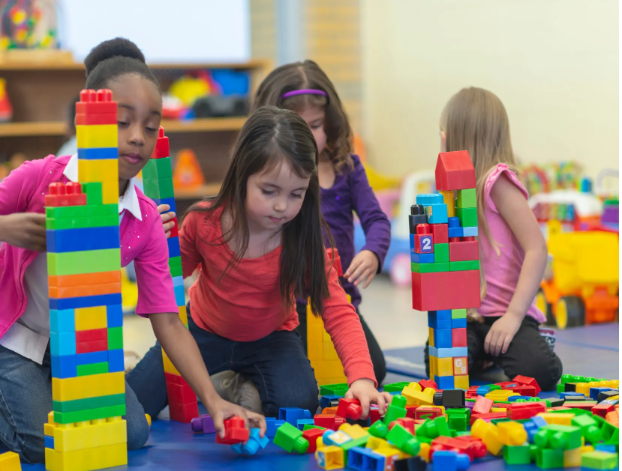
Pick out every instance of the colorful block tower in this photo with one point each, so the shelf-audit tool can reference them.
(320, 349)
(158, 185)
(445, 265)
(85, 430)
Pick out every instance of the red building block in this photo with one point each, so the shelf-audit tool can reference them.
(488, 416)
(328, 421)
(235, 432)
(181, 393)
(174, 230)
(424, 241)
(482, 405)
(406, 422)
(96, 102)
(428, 383)
(479, 449)
(91, 335)
(349, 409)
(425, 412)
(602, 409)
(446, 290)
(525, 410)
(162, 148)
(411, 411)
(374, 415)
(463, 251)
(528, 381)
(459, 337)
(472, 448)
(440, 233)
(92, 346)
(92, 118)
(454, 171)
(183, 413)
(522, 389)
(311, 436)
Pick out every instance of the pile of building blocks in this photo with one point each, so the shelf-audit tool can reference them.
(445, 265)
(9, 461)
(158, 185)
(85, 430)
(320, 349)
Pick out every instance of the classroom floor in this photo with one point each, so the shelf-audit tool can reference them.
(401, 332)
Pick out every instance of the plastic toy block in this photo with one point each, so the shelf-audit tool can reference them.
(92, 403)
(527, 381)
(312, 435)
(63, 294)
(424, 241)
(183, 413)
(444, 367)
(104, 171)
(442, 338)
(467, 445)
(518, 454)
(563, 437)
(272, 425)
(434, 428)
(441, 252)
(92, 346)
(168, 201)
(438, 323)
(435, 291)
(429, 267)
(406, 422)
(363, 459)
(460, 366)
(158, 169)
(84, 301)
(92, 369)
(458, 337)
(85, 279)
(97, 135)
(302, 423)
(464, 266)
(74, 263)
(426, 199)
(482, 405)
(417, 216)
(101, 153)
(174, 264)
(445, 382)
(62, 343)
(76, 240)
(605, 447)
(161, 149)
(396, 409)
(234, 432)
(572, 458)
(162, 188)
(454, 171)
(467, 198)
(549, 458)
(68, 212)
(88, 386)
(511, 433)
(292, 414)
(9, 461)
(599, 460)
(180, 393)
(329, 421)
(48, 442)
(90, 318)
(62, 321)
(450, 202)
(64, 366)
(173, 247)
(338, 389)
(89, 414)
(88, 458)
(93, 190)
(252, 446)
(80, 222)
(454, 230)
(349, 409)
(65, 194)
(463, 251)
(450, 461)
(470, 232)
(395, 387)
(426, 412)
(488, 434)
(337, 438)
(448, 353)
(604, 395)
(421, 257)
(453, 398)
(91, 335)
(558, 419)
(467, 216)
(96, 102)
(402, 439)
(290, 439)
(437, 213)
(101, 432)
(330, 457)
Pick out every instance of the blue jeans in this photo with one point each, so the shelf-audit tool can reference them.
(276, 364)
(26, 400)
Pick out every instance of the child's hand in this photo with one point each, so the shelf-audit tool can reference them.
(24, 230)
(366, 393)
(501, 333)
(220, 410)
(166, 217)
(363, 266)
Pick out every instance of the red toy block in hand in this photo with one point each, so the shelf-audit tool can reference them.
(528, 381)
(234, 432)
(374, 415)
(349, 409)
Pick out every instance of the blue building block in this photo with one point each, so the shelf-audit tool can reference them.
(449, 352)
(271, 425)
(606, 448)
(444, 382)
(178, 281)
(173, 247)
(49, 442)
(442, 338)
(90, 358)
(514, 398)
(62, 343)
(364, 459)
(291, 415)
(483, 390)
(180, 297)
(169, 201)
(326, 400)
(114, 315)
(451, 461)
(426, 199)
(594, 392)
(254, 443)
(437, 213)
(470, 232)
(116, 361)
(422, 257)
(63, 320)
(453, 228)
(300, 423)
(458, 323)
(79, 240)
(426, 244)
(98, 154)
(64, 366)
(85, 301)
(436, 323)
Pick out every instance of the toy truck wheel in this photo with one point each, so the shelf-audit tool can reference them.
(569, 312)
(545, 307)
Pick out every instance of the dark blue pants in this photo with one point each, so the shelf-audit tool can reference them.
(276, 364)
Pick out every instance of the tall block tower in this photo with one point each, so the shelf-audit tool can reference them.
(445, 265)
(85, 430)
(158, 185)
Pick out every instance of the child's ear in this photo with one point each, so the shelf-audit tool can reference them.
(443, 142)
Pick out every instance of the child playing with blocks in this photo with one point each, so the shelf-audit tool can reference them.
(513, 252)
(25, 359)
(258, 245)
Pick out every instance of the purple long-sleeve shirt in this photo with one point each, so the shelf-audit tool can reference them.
(351, 192)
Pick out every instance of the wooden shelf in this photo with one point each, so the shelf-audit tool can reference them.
(252, 64)
(43, 128)
(203, 124)
(210, 189)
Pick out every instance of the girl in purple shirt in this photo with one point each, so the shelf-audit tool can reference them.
(305, 89)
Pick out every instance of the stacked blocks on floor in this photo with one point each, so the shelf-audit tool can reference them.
(445, 266)
(85, 430)
(9, 461)
(158, 185)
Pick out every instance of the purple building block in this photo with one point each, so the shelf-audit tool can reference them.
(203, 424)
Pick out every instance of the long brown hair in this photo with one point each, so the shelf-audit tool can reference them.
(269, 137)
(304, 75)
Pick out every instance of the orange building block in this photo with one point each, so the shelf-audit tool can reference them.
(79, 291)
(85, 279)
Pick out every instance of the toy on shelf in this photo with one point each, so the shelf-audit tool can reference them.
(6, 109)
(158, 185)
(85, 430)
(445, 265)
(187, 174)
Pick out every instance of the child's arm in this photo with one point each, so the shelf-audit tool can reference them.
(167, 218)
(368, 262)
(513, 207)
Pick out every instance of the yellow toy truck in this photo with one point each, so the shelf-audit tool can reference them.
(581, 284)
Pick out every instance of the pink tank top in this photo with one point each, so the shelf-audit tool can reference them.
(501, 272)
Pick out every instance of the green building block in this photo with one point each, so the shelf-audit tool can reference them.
(72, 212)
(403, 440)
(89, 403)
(548, 458)
(458, 313)
(560, 388)
(467, 216)
(466, 198)
(159, 188)
(441, 252)
(562, 437)
(89, 414)
(517, 454)
(290, 439)
(88, 261)
(355, 442)
(396, 410)
(378, 429)
(115, 338)
(589, 427)
(599, 460)
(434, 428)
(93, 193)
(339, 389)
(458, 423)
(93, 369)
(158, 169)
(464, 266)
(79, 223)
(395, 387)
(429, 267)
(174, 266)
(309, 427)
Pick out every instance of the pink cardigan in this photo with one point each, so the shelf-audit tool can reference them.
(142, 241)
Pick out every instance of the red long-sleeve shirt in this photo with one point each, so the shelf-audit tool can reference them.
(246, 304)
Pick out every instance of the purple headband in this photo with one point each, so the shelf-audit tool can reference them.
(304, 91)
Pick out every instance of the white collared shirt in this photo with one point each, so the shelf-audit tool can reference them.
(30, 334)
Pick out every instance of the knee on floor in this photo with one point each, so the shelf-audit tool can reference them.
(137, 433)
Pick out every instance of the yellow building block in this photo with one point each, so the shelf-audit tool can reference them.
(98, 170)
(89, 318)
(354, 431)
(87, 459)
(511, 433)
(328, 380)
(445, 366)
(461, 382)
(97, 136)
(315, 351)
(183, 315)
(82, 387)
(572, 458)
(168, 365)
(391, 454)
(90, 434)
(431, 336)
(498, 409)
(449, 200)
(433, 366)
(500, 394)
(416, 397)
(326, 336)
(582, 388)
(558, 419)
(424, 451)
(327, 368)
(330, 457)
(9, 461)
(373, 443)
(329, 352)
(110, 192)
(488, 433)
